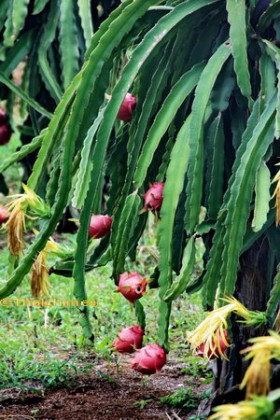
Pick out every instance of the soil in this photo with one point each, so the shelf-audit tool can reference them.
(110, 392)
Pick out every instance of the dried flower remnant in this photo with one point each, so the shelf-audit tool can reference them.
(19, 206)
(40, 274)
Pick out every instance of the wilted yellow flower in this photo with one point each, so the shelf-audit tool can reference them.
(40, 273)
(259, 407)
(17, 220)
(270, 342)
(29, 198)
(257, 376)
(277, 196)
(16, 227)
(251, 318)
(40, 276)
(239, 411)
(211, 331)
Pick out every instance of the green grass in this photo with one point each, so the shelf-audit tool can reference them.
(183, 398)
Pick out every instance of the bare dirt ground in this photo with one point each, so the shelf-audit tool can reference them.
(109, 392)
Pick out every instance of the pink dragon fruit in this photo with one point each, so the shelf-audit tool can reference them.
(127, 107)
(153, 197)
(149, 359)
(4, 214)
(129, 339)
(132, 286)
(100, 225)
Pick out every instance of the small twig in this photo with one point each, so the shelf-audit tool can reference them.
(176, 416)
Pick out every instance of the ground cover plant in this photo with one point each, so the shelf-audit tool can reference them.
(155, 116)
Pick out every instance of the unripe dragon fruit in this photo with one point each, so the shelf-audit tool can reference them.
(132, 286)
(149, 359)
(100, 226)
(153, 197)
(129, 339)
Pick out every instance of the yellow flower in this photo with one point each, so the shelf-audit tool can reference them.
(240, 411)
(277, 196)
(211, 332)
(257, 376)
(251, 318)
(270, 342)
(259, 407)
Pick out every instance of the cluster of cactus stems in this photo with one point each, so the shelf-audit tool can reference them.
(202, 120)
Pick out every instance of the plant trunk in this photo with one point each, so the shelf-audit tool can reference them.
(252, 289)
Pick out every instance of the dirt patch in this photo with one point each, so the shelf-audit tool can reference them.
(110, 392)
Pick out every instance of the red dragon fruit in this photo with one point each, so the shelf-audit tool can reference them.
(153, 197)
(5, 134)
(100, 225)
(4, 214)
(149, 359)
(127, 107)
(132, 286)
(129, 339)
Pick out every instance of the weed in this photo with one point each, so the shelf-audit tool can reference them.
(197, 368)
(142, 403)
(183, 398)
(22, 370)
